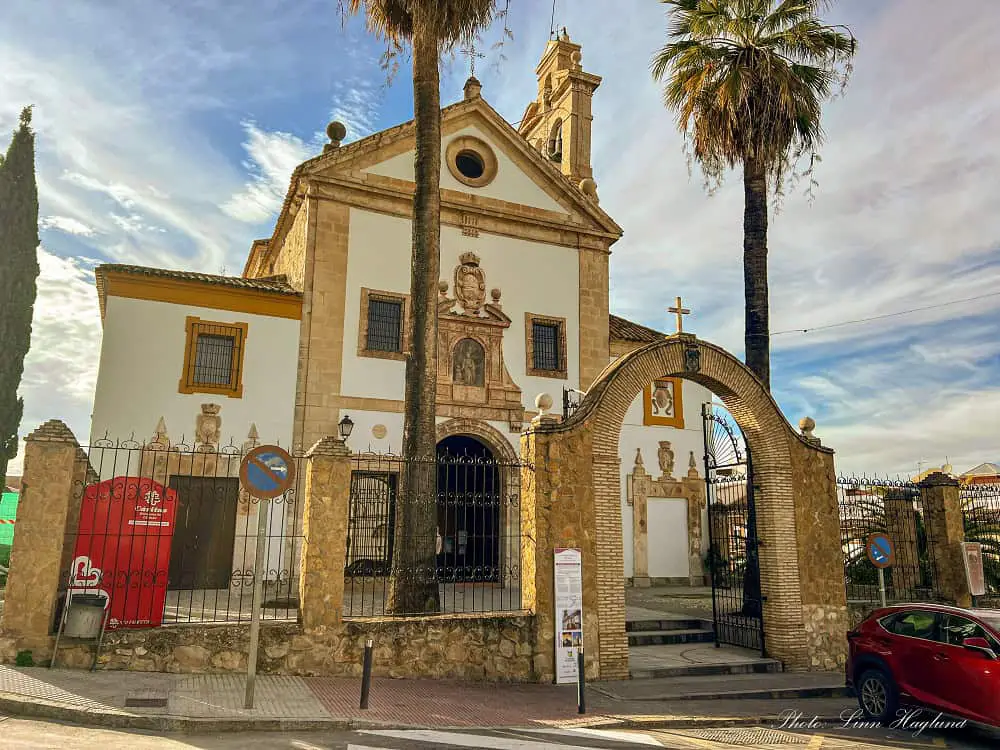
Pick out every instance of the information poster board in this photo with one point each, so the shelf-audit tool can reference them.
(972, 552)
(122, 549)
(569, 612)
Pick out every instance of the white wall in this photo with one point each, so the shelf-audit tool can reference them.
(142, 358)
(533, 277)
(510, 184)
(666, 518)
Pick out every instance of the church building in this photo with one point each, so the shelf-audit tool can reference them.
(314, 329)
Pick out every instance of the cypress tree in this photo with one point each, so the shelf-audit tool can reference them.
(18, 275)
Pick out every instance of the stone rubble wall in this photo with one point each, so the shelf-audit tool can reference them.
(461, 647)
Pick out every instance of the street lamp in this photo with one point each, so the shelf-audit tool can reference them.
(346, 426)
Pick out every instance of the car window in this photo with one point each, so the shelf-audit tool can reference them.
(914, 625)
(957, 629)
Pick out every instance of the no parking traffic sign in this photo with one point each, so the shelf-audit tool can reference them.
(880, 550)
(267, 471)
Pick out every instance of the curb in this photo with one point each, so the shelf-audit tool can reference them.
(15, 705)
(839, 691)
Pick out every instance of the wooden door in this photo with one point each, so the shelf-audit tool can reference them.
(201, 552)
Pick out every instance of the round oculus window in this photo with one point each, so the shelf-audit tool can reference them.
(470, 164)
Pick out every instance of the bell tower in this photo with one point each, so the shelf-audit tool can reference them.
(558, 122)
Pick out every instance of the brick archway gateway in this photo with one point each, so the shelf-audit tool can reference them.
(575, 501)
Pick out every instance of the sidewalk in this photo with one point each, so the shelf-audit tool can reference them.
(213, 703)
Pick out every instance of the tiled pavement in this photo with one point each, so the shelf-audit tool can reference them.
(100, 697)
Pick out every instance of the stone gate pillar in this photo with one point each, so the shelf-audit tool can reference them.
(324, 527)
(560, 511)
(52, 459)
(820, 584)
(942, 503)
(901, 525)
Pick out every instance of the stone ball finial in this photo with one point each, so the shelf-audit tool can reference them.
(543, 402)
(576, 57)
(473, 88)
(443, 287)
(807, 425)
(336, 131)
(495, 295)
(588, 187)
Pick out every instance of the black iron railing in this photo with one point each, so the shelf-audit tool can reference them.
(893, 507)
(981, 517)
(433, 536)
(166, 535)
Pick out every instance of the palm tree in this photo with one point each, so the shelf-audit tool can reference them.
(747, 79)
(430, 27)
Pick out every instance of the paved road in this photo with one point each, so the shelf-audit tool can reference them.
(18, 734)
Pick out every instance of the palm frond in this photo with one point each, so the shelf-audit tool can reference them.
(747, 79)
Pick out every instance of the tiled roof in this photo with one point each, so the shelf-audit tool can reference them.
(983, 470)
(626, 330)
(276, 284)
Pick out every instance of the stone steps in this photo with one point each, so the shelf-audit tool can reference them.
(666, 624)
(757, 666)
(673, 635)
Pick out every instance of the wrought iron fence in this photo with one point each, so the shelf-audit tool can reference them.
(981, 517)
(165, 534)
(868, 506)
(441, 535)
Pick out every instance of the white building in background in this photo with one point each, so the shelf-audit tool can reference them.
(314, 329)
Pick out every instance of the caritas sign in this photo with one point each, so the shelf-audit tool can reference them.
(122, 549)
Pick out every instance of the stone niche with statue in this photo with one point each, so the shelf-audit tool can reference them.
(473, 381)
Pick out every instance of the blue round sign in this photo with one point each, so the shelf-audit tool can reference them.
(880, 550)
(267, 471)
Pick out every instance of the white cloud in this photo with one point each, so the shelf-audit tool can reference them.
(66, 224)
(272, 156)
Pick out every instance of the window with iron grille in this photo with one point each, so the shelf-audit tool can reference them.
(385, 324)
(213, 358)
(545, 337)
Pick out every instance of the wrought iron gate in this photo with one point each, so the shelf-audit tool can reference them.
(733, 562)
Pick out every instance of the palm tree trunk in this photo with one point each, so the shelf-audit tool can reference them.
(757, 333)
(414, 586)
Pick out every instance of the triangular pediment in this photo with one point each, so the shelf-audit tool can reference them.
(523, 176)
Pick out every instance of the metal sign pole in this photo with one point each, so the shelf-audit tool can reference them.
(258, 593)
(881, 586)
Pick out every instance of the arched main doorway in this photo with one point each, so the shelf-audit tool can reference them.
(468, 511)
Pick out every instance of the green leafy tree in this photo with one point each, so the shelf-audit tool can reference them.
(429, 28)
(18, 274)
(746, 79)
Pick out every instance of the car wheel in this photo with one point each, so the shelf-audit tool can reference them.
(877, 696)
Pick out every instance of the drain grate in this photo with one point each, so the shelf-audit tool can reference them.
(749, 736)
(146, 699)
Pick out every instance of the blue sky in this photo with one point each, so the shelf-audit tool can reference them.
(167, 132)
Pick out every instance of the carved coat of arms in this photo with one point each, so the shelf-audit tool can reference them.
(470, 283)
(692, 359)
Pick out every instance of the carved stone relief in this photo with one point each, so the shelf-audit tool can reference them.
(690, 489)
(473, 381)
(470, 284)
(666, 458)
(208, 426)
(469, 363)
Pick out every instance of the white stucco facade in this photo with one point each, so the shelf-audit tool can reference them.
(666, 517)
(142, 362)
(511, 183)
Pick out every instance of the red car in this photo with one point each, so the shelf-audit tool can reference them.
(927, 656)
